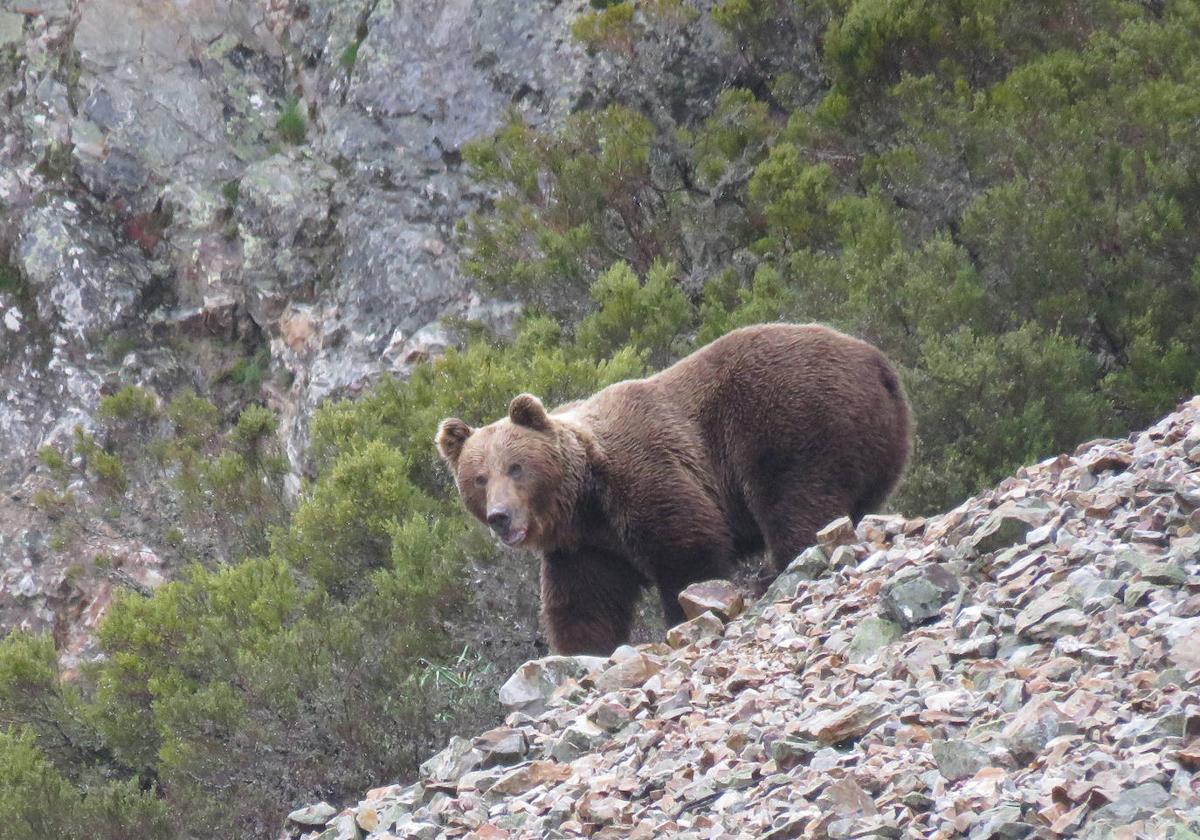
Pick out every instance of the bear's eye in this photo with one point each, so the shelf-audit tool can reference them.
(480, 480)
(515, 470)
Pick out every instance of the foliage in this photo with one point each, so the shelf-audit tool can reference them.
(349, 56)
(44, 726)
(611, 28)
(105, 467)
(37, 801)
(10, 280)
(291, 124)
(578, 200)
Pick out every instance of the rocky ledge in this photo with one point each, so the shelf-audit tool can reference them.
(1026, 665)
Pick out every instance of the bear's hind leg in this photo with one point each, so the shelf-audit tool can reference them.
(790, 517)
(701, 567)
(588, 599)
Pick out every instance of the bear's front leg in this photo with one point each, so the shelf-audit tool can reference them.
(588, 598)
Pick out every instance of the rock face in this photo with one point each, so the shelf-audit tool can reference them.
(153, 207)
(1038, 702)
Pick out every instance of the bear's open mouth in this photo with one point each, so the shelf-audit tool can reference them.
(514, 536)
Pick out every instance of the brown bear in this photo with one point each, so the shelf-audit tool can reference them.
(754, 441)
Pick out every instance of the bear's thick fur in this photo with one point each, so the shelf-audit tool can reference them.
(754, 441)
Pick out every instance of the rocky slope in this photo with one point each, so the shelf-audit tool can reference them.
(1027, 664)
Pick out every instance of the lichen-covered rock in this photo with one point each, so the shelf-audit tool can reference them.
(532, 685)
(1008, 525)
(318, 814)
(872, 635)
(917, 595)
(958, 759)
(704, 626)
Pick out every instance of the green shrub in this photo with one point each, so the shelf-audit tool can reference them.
(104, 467)
(344, 528)
(247, 373)
(54, 460)
(291, 124)
(130, 405)
(572, 203)
(349, 56)
(54, 504)
(612, 28)
(232, 484)
(194, 419)
(10, 280)
(35, 800)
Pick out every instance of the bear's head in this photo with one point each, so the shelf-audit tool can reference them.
(521, 475)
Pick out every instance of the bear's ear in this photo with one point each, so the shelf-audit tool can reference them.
(527, 410)
(452, 433)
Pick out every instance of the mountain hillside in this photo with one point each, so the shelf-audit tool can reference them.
(252, 251)
(1027, 664)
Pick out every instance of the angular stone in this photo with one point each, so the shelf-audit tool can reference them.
(342, 827)
(852, 721)
(533, 683)
(457, 758)
(580, 738)
(528, 776)
(1002, 822)
(791, 752)
(977, 647)
(412, 828)
(842, 557)
(1049, 616)
(481, 780)
(1137, 803)
(958, 759)
(319, 814)
(837, 533)
(1186, 550)
(501, 746)
(1008, 525)
(609, 715)
(1137, 592)
(811, 564)
(872, 635)
(1163, 574)
(704, 626)
(1108, 460)
(1027, 734)
(1183, 641)
(367, 817)
(717, 596)
(916, 595)
(629, 672)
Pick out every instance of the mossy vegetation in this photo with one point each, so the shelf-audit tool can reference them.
(292, 125)
(10, 280)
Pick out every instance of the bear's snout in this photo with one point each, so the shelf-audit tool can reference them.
(500, 520)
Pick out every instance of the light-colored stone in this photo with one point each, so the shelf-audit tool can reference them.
(719, 597)
(318, 814)
(533, 683)
(839, 532)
